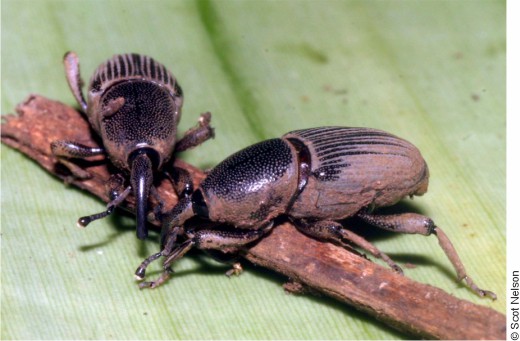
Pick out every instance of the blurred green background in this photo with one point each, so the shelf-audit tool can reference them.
(432, 72)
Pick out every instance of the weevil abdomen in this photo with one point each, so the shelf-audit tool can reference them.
(353, 168)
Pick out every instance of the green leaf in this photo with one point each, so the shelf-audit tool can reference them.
(432, 72)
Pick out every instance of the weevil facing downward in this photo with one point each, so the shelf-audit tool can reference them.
(316, 177)
(134, 105)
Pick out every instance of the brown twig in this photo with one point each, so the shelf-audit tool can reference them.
(409, 306)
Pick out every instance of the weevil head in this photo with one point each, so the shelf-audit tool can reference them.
(134, 102)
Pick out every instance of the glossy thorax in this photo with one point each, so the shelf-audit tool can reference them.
(148, 102)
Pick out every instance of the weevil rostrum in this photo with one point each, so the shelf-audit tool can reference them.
(134, 105)
(316, 177)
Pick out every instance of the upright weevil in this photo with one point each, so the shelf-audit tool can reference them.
(134, 105)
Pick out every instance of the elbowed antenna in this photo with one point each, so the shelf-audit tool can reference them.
(141, 179)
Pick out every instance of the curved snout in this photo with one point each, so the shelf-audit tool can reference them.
(141, 179)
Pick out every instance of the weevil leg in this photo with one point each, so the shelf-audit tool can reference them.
(207, 239)
(170, 239)
(413, 223)
(197, 134)
(181, 180)
(212, 240)
(230, 257)
(64, 149)
(201, 239)
(116, 192)
(171, 256)
(175, 217)
(236, 270)
(71, 63)
(334, 231)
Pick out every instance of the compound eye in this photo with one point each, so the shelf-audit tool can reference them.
(199, 204)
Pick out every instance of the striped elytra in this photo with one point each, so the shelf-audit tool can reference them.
(352, 168)
(129, 66)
